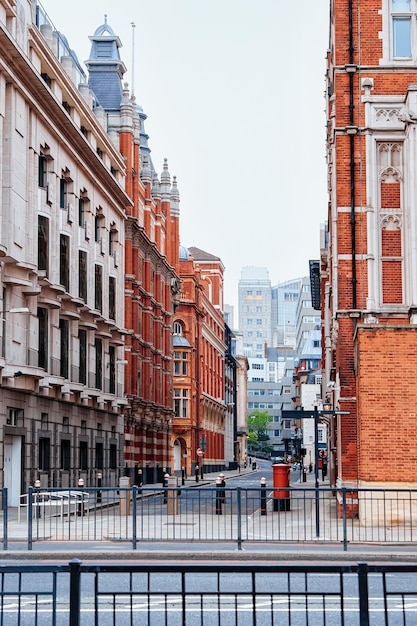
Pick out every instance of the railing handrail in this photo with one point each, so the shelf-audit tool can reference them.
(341, 516)
(391, 597)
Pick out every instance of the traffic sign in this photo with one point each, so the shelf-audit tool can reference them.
(200, 452)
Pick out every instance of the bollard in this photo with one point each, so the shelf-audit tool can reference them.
(263, 495)
(219, 484)
(197, 469)
(223, 484)
(99, 479)
(183, 476)
(37, 499)
(165, 484)
(81, 511)
(304, 474)
(140, 478)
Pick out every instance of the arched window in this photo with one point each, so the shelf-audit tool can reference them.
(177, 328)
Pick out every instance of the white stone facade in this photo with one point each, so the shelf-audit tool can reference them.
(62, 213)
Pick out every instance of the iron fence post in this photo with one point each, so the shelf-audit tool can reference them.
(134, 496)
(30, 517)
(344, 512)
(5, 518)
(75, 593)
(239, 517)
(363, 593)
(316, 469)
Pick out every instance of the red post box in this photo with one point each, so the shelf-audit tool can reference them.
(281, 480)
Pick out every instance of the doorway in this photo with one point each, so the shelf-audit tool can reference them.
(177, 456)
(13, 468)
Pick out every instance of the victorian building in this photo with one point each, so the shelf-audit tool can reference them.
(369, 262)
(151, 260)
(89, 257)
(62, 231)
(201, 432)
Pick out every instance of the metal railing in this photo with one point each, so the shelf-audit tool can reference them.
(207, 514)
(4, 518)
(186, 594)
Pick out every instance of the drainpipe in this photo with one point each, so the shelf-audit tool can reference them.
(352, 155)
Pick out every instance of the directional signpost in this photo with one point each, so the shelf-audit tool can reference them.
(314, 414)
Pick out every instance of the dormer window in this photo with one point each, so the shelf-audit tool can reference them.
(177, 328)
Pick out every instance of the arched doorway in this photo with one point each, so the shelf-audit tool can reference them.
(177, 456)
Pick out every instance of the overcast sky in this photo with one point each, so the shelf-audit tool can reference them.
(234, 94)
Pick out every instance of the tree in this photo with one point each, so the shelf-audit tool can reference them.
(253, 441)
(258, 421)
(257, 427)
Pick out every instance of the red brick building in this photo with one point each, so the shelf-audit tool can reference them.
(150, 261)
(198, 433)
(369, 263)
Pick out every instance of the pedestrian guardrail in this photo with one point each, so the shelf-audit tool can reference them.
(250, 594)
(217, 514)
(52, 503)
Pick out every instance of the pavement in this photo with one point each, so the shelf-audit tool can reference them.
(99, 551)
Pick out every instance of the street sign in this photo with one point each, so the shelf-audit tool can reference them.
(200, 452)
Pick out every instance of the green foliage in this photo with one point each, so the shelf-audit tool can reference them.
(252, 438)
(257, 429)
(258, 421)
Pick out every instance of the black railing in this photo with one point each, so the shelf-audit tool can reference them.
(207, 514)
(250, 594)
(4, 519)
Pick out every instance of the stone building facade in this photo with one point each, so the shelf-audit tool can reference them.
(62, 222)
(88, 268)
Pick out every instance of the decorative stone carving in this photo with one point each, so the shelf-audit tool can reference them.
(370, 318)
(407, 116)
(387, 116)
(390, 175)
(391, 221)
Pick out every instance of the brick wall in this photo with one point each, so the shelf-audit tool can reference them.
(386, 403)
